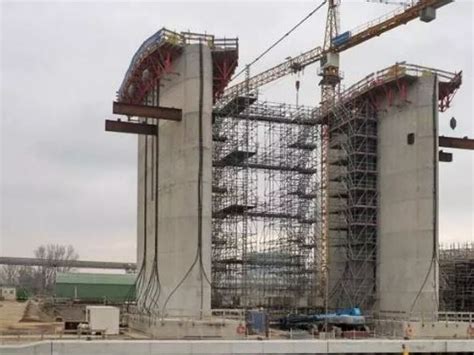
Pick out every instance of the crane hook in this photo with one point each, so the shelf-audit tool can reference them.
(453, 123)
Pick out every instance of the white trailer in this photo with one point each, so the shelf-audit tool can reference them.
(104, 319)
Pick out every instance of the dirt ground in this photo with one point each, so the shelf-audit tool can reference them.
(11, 314)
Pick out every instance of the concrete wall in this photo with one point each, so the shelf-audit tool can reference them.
(118, 347)
(408, 197)
(177, 169)
(186, 328)
(423, 329)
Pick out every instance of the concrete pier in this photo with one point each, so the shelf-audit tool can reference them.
(178, 265)
(408, 201)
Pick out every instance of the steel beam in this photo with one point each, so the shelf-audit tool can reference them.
(162, 113)
(130, 127)
(80, 264)
(456, 143)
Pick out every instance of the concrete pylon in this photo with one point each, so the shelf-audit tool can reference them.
(179, 166)
(408, 202)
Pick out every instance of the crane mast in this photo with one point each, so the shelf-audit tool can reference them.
(329, 70)
(330, 79)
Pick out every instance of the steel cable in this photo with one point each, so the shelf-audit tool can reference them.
(282, 38)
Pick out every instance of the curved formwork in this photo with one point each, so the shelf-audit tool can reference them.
(391, 83)
(155, 56)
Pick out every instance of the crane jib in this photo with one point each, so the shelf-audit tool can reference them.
(339, 43)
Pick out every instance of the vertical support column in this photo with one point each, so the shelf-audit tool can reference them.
(184, 189)
(408, 203)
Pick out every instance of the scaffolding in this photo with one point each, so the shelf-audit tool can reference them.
(349, 181)
(456, 273)
(264, 204)
(352, 204)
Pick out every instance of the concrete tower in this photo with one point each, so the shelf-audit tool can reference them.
(408, 201)
(383, 169)
(174, 222)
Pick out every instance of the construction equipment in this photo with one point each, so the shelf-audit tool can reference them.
(328, 56)
(338, 43)
(345, 319)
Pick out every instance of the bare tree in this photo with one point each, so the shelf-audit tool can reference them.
(40, 279)
(51, 254)
(9, 275)
(28, 280)
(20, 276)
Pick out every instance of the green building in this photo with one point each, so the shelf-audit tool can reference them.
(90, 287)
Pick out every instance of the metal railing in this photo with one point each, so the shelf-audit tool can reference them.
(456, 317)
(377, 21)
(218, 314)
(386, 75)
(447, 317)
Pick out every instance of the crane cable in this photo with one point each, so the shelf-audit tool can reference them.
(136, 291)
(282, 37)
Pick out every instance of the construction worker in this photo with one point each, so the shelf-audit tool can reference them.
(405, 350)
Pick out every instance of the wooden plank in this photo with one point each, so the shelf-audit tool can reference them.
(457, 143)
(159, 112)
(130, 127)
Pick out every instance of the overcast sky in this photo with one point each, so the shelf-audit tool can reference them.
(64, 180)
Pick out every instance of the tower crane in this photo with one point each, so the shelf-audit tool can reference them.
(336, 43)
(328, 56)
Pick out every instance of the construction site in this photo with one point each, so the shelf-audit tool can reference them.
(267, 227)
